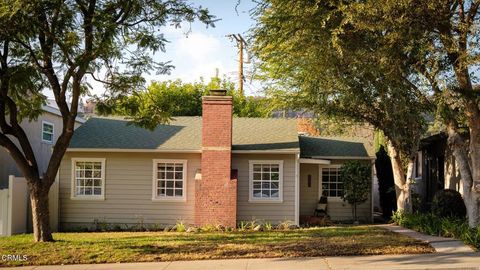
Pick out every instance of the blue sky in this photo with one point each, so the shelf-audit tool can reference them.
(200, 52)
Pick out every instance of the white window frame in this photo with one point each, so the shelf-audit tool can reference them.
(43, 131)
(156, 198)
(280, 179)
(73, 194)
(320, 181)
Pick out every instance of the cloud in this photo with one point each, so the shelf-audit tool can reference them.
(198, 46)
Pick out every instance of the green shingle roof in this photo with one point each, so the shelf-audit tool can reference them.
(184, 133)
(332, 147)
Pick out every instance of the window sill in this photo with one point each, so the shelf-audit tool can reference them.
(47, 142)
(264, 201)
(171, 200)
(88, 198)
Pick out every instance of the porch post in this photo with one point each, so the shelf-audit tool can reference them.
(297, 189)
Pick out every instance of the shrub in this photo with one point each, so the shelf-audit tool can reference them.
(180, 226)
(448, 203)
(356, 179)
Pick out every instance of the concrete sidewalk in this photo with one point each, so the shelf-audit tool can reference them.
(470, 261)
(440, 244)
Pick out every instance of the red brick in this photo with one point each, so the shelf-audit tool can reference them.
(216, 192)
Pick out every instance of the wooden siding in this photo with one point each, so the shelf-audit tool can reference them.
(128, 192)
(337, 209)
(274, 212)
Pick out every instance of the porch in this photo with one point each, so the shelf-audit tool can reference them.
(318, 176)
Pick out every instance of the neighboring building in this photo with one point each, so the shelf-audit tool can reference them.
(435, 169)
(42, 134)
(202, 170)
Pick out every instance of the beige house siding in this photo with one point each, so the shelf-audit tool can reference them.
(128, 192)
(274, 212)
(41, 149)
(337, 209)
(308, 195)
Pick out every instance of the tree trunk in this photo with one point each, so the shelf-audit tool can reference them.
(402, 187)
(40, 214)
(470, 196)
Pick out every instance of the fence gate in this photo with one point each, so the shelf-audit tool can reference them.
(14, 207)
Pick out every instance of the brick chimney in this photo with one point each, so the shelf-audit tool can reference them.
(216, 191)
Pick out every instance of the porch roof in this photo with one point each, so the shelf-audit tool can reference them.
(331, 148)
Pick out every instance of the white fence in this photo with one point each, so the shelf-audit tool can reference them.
(15, 210)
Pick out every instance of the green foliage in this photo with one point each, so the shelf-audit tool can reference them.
(356, 178)
(438, 226)
(180, 226)
(448, 203)
(163, 100)
(319, 60)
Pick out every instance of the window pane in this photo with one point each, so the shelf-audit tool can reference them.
(97, 191)
(161, 175)
(169, 192)
(257, 193)
(97, 174)
(161, 184)
(161, 192)
(265, 193)
(274, 185)
(178, 184)
(257, 176)
(161, 167)
(178, 175)
(265, 168)
(47, 137)
(257, 185)
(275, 168)
(265, 185)
(178, 167)
(88, 191)
(178, 192)
(275, 193)
(88, 174)
(275, 176)
(169, 167)
(257, 167)
(89, 182)
(97, 182)
(169, 184)
(169, 175)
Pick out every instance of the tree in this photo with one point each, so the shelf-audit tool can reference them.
(357, 180)
(57, 44)
(436, 45)
(311, 50)
(175, 98)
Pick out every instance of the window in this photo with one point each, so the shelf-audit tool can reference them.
(169, 179)
(88, 178)
(332, 184)
(47, 132)
(266, 180)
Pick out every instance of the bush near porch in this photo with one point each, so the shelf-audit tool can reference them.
(109, 247)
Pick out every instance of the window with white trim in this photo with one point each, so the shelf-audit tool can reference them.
(169, 179)
(47, 132)
(332, 184)
(266, 180)
(88, 178)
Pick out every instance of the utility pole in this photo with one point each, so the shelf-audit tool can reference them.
(240, 44)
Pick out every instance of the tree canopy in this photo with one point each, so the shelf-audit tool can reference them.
(163, 100)
(56, 45)
(323, 63)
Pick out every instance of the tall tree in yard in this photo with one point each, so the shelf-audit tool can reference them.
(439, 45)
(311, 51)
(57, 44)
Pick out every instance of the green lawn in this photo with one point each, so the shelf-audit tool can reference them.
(107, 247)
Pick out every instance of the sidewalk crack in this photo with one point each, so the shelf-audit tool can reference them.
(327, 263)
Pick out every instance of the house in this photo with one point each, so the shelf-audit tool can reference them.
(42, 135)
(435, 169)
(213, 169)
